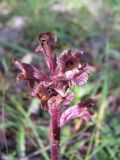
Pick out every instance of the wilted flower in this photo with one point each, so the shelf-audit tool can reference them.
(52, 89)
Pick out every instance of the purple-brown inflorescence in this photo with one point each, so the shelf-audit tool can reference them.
(53, 89)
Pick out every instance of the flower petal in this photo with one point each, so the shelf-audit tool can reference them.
(47, 45)
(29, 72)
(81, 77)
(81, 110)
(68, 60)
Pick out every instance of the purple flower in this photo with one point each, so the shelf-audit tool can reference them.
(80, 110)
(69, 68)
(68, 60)
(53, 89)
(65, 72)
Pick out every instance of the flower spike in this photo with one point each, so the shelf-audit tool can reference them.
(53, 90)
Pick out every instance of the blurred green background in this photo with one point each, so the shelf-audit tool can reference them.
(91, 25)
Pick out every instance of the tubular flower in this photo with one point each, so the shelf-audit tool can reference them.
(70, 69)
(80, 110)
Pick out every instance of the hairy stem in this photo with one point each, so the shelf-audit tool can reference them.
(55, 133)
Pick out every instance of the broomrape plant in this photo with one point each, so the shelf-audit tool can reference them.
(53, 89)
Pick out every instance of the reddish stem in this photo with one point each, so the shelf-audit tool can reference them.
(55, 133)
